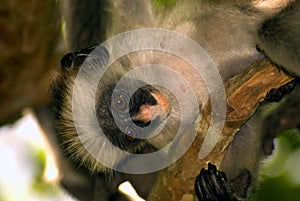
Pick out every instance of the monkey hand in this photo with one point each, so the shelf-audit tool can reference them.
(212, 185)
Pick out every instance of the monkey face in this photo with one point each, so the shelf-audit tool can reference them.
(130, 112)
(127, 119)
(123, 117)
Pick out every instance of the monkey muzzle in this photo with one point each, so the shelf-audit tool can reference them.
(148, 109)
(148, 113)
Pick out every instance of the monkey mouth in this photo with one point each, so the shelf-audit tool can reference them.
(152, 113)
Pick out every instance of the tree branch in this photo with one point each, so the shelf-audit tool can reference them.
(244, 92)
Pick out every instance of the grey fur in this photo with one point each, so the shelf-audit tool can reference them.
(228, 30)
(279, 38)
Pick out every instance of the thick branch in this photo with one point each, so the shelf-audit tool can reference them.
(245, 91)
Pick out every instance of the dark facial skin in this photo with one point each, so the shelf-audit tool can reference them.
(142, 108)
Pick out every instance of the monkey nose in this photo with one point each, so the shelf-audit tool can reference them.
(163, 102)
(148, 113)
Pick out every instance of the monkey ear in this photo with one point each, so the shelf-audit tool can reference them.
(73, 60)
